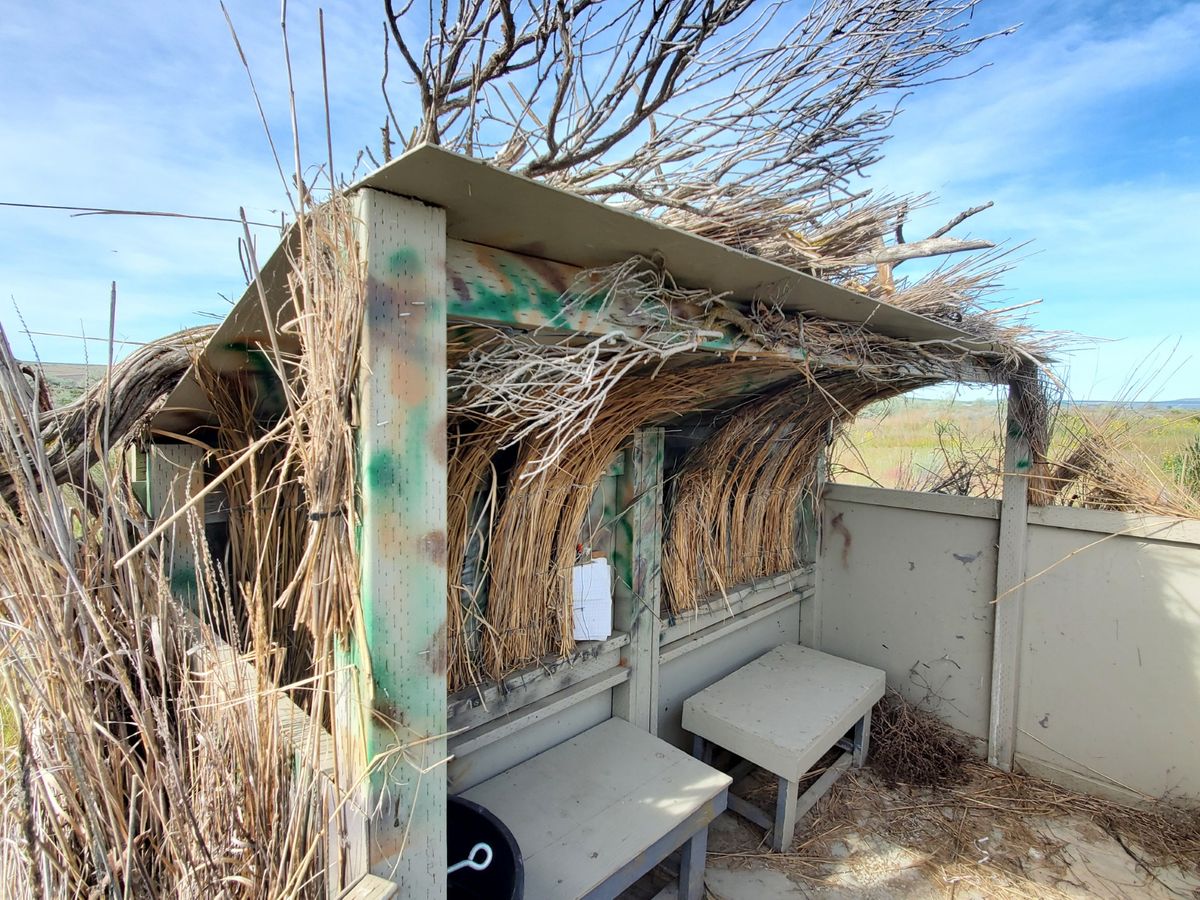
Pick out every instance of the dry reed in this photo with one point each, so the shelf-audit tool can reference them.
(131, 778)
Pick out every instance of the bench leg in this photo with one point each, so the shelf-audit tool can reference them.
(691, 867)
(785, 815)
(702, 749)
(862, 740)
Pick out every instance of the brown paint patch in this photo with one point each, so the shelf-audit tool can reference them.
(437, 436)
(460, 287)
(386, 713)
(550, 273)
(435, 652)
(839, 527)
(488, 261)
(409, 381)
(387, 844)
(434, 543)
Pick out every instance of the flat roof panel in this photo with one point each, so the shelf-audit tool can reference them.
(492, 206)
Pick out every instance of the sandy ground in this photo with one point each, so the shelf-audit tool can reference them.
(865, 842)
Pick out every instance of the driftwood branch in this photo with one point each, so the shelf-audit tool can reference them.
(960, 218)
(898, 253)
(73, 434)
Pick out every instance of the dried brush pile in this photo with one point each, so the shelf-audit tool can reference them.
(129, 776)
(914, 747)
(156, 749)
(926, 801)
(1099, 466)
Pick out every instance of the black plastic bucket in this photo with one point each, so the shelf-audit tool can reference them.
(468, 824)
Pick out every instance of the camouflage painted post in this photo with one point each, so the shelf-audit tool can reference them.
(638, 559)
(398, 680)
(174, 473)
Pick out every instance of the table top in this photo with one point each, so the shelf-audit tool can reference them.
(585, 807)
(784, 710)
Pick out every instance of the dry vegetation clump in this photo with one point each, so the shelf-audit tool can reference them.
(911, 746)
(1100, 465)
(129, 774)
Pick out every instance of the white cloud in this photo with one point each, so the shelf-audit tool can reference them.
(1028, 110)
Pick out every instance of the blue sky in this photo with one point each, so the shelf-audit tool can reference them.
(1084, 129)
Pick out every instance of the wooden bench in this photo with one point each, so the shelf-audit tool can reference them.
(783, 712)
(595, 813)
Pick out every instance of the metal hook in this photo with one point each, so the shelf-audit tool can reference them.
(471, 862)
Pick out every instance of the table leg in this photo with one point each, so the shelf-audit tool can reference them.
(691, 867)
(862, 740)
(785, 815)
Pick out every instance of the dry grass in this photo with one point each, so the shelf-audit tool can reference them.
(735, 503)
(150, 760)
(130, 778)
(1115, 457)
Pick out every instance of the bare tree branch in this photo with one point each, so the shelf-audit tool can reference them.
(898, 253)
(960, 218)
(749, 121)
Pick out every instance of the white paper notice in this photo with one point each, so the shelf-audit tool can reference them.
(591, 591)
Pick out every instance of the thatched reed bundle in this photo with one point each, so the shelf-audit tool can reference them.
(534, 543)
(736, 500)
(73, 433)
(536, 420)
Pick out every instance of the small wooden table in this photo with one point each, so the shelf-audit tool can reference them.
(595, 813)
(783, 712)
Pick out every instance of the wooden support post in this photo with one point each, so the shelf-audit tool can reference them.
(174, 473)
(810, 609)
(392, 702)
(1010, 578)
(691, 866)
(639, 584)
(862, 740)
(785, 815)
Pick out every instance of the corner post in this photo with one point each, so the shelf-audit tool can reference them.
(395, 702)
(1010, 591)
(638, 592)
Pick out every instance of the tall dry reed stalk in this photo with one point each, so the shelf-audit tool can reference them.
(133, 775)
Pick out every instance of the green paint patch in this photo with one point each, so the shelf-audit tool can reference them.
(183, 582)
(404, 261)
(476, 300)
(1022, 463)
(381, 471)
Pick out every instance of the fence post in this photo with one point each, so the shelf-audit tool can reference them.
(174, 473)
(811, 514)
(1010, 579)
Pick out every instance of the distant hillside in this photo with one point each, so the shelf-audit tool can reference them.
(68, 380)
(1185, 403)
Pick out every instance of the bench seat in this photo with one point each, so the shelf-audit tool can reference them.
(783, 712)
(595, 813)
